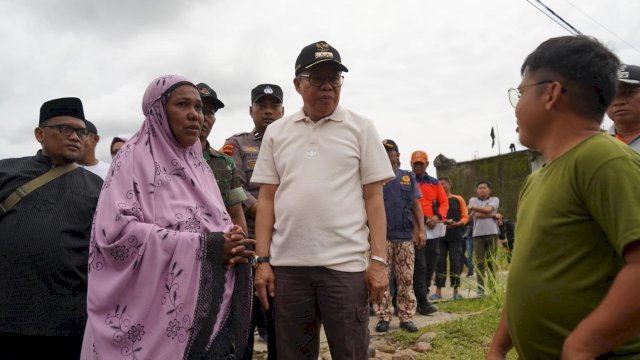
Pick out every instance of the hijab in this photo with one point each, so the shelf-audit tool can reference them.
(149, 241)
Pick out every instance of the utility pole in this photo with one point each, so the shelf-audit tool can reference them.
(498, 136)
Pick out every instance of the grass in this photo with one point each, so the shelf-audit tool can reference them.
(465, 338)
(468, 337)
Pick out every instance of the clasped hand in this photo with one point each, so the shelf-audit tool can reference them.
(236, 247)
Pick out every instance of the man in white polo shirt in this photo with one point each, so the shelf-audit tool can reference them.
(320, 209)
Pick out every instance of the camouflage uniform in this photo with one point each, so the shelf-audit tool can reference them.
(243, 148)
(228, 179)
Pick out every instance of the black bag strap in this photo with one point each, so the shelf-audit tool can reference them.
(33, 184)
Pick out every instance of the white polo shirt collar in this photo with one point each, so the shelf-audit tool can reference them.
(339, 114)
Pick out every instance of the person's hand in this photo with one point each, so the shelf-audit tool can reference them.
(235, 247)
(503, 242)
(377, 280)
(573, 350)
(499, 219)
(419, 240)
(431, 222)
(450, 223)
(265, 283)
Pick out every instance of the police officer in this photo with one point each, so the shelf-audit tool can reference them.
(223, 167)
(624, 110)
(266, 107)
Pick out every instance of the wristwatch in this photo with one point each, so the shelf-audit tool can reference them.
(257, 260)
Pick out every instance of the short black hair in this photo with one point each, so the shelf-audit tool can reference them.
(445, 178)
(91, 128)
(486, 182)
(588, 70)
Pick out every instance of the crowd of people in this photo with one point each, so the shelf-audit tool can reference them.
(178, 250)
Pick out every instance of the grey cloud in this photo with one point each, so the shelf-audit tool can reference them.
(432, 75)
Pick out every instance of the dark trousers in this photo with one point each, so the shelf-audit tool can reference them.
(510, 248)
(27, 347)
(425, 266)
(468, 241)
(485, 252)
(452, 251)
(261, 317)
(308, 296)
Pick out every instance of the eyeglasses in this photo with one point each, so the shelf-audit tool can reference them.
(515, 94)
(315, 80)
(67, 130)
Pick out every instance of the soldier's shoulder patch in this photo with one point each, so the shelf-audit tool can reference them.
(228, 149)
(239, 134)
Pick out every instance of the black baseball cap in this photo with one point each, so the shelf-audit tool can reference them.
(207, 94)
(91, 127)
(316, 53)
(69, 106)
(390, 145)
(266, 90)
(629, 74)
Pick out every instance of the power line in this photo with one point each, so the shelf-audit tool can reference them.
(602, 26)
(553, 16)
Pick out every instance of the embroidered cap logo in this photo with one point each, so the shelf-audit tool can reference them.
(323, 50)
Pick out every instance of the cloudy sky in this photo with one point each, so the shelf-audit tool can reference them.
(432, 74)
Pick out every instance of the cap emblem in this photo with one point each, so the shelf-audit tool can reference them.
(622, 74)
(323, 46)
(323, 51)
(324, 54)
(268, 90)
(205, 91)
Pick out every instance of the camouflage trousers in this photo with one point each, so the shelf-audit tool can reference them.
(401, 259)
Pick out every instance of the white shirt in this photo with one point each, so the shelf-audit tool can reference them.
(320, 217)
(101, 168)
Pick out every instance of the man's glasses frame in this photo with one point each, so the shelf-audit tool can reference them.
(515, 94)
(67, 130)
(315, 80)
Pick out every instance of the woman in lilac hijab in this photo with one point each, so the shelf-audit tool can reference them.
(168, 277)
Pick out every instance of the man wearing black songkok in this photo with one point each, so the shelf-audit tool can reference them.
(44, 239)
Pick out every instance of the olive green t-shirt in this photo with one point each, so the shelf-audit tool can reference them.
(575, 217)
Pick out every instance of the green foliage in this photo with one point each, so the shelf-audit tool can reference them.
(495, 284)
(465, 338)
(470, 305)
(469, 336)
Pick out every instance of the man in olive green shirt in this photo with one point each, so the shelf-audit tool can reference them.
(572, 288)
(223, 167)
